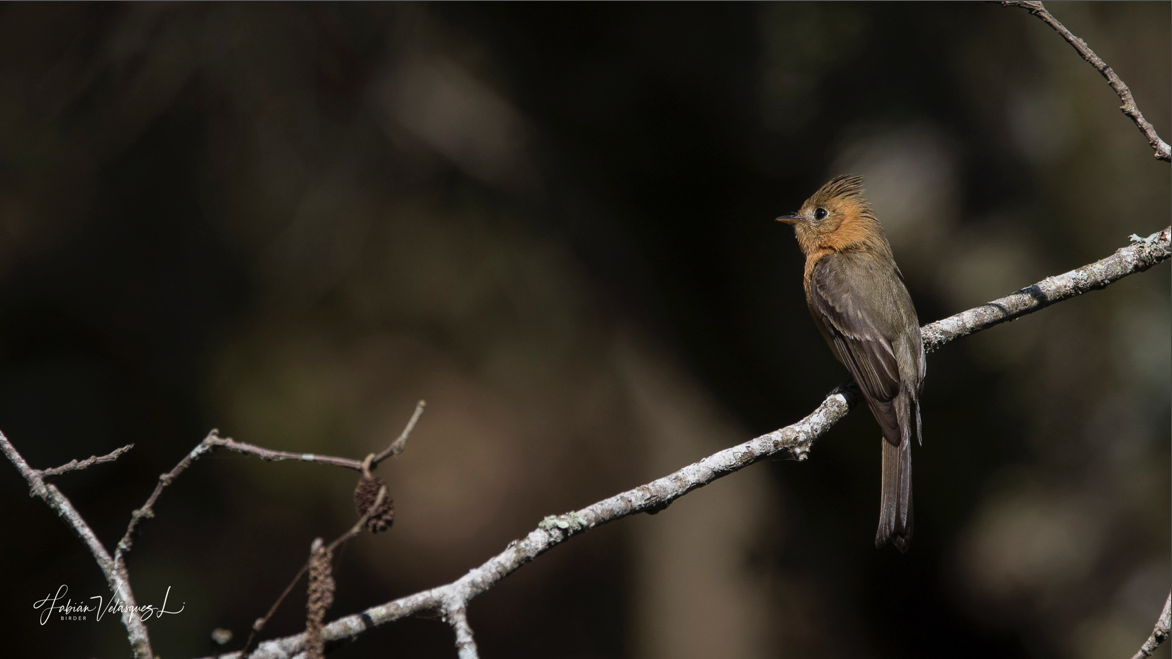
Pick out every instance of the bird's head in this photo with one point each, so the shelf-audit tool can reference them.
(837, 212)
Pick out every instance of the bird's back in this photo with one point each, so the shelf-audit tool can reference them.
(859, 301)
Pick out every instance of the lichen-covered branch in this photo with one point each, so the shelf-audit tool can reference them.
(1142, 254)
(1129, 108)
(793, 441)
(465, 644)
(1159, 633)
(116, 576)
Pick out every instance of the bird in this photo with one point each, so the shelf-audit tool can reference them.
(861, 305)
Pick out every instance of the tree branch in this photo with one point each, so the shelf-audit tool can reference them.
(115, 568)
(1159, 633)
(214, 441)
(465, 644)
(1129, 108)
(74, 465)
(147, 511)
(114, 572)
(793, 441)
(400, 443)
(268, 455)
(1142, 254)
(260, 623)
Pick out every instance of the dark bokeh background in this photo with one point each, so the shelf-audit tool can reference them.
(554, 223)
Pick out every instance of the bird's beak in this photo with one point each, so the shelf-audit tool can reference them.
(791, 218)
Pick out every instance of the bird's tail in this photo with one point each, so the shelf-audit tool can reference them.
(895, 515)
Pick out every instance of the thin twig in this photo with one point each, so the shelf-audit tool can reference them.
(1159, 633)
(147, 510)
(354, 530)
(214, 441)
(116, 576)
(74, 465)
(269, 455)
(794, 441)
(260, 623)
(1129, 107)
(399, 444)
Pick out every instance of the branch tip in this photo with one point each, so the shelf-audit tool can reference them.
(400, 442)
(1159, 632)
(74, 465)
(1160, 148)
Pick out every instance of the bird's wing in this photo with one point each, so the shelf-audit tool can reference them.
(865, 327)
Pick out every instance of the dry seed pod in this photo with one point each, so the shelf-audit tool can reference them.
(364, 497)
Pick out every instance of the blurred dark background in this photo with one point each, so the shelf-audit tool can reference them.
(554, 223)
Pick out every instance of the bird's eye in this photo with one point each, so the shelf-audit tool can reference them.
(820, 214)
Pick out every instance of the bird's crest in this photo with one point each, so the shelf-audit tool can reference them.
(847, 189)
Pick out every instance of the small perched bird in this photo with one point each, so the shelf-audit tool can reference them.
(857, 297)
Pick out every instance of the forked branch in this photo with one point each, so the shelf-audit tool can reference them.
(115, 573)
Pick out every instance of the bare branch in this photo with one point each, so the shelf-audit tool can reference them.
(269, 455)
(1159, 633)
(793, 441)
(399, 444)
(214, 441)
(1129, 108)
(147, 510)
(260, 623)
(1142, 254)
(115, 574)
(465, 644)
(74, 465)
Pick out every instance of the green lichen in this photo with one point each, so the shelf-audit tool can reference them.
(571, 521)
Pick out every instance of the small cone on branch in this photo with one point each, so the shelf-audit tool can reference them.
(365, 495)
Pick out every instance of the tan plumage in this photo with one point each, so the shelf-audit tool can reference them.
(856, 295)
